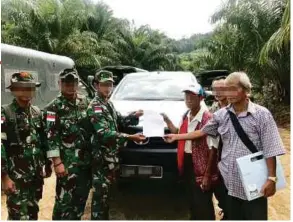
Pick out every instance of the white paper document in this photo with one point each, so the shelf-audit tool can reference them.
(153, 124)
(254, 174)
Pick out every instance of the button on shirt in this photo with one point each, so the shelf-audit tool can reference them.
(259, 125)
(192, 124)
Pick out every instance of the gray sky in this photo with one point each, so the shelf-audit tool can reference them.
(176, 18)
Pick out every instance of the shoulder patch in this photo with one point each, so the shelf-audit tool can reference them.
(98, 109)
(2, 119)
(51, 116)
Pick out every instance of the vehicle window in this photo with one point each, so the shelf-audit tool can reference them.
(152, 88)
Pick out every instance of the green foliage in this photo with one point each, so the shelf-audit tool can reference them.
(250, 35)
(86, 32)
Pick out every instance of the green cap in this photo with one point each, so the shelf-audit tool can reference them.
(104, 76)
(69, 75)
(23, 79)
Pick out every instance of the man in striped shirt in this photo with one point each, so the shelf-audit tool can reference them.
(259, 125)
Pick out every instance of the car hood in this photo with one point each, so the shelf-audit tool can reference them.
(173, 109)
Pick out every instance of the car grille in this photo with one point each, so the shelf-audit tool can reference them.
(154, 142)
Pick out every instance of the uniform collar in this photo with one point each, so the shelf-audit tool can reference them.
(101, 99)
(76, 102)
(17, 107)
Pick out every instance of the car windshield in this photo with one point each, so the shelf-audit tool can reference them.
(152, 88)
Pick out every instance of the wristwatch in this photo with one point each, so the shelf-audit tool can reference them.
(274, 179)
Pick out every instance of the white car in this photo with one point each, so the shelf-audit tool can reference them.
(160, 92)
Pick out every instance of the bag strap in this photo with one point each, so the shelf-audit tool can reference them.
(242, 135)
(8, 111)
(12, 117)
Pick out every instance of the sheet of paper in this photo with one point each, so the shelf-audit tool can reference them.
(153, 124)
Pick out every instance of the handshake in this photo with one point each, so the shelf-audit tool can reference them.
(170, 138)
(138, 137)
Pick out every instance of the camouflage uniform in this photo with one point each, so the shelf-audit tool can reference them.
(106, 142)
(67, 128)
(23, 155)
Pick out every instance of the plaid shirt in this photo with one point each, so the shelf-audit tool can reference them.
(259, 125)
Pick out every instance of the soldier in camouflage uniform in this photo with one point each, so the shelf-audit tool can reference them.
(23, 150)
(106, 142)
(68, 134)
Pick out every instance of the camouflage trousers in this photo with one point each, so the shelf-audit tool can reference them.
(23, 204)
(103, 180)
(71, 194)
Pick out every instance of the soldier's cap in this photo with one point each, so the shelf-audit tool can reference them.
(104, 76)
(195, 89)
(23, 79)
(69, 75)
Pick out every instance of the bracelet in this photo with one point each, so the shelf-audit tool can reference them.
(58, 164)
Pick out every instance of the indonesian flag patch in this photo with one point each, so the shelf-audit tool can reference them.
(98, 109)
(51, 117)
(2, 119)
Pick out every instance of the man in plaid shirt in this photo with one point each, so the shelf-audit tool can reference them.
(260, 127)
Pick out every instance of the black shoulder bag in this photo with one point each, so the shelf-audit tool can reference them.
(242, 135)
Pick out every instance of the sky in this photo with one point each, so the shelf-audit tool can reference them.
(176, 18)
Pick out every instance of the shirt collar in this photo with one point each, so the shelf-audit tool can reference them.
(250, 109)
(66, 101)
(198, 116)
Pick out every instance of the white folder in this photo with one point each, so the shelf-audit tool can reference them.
(254, 173)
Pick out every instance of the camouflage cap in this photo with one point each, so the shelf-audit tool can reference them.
(104, 76)
(69, 75)
(23, 79)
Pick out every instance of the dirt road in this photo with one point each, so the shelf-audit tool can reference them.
(159, 201)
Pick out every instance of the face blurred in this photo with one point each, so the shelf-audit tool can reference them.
(219, 90)
(104, 88)
(69, 89)
(235, 92)
(192, 101)
(24, 94)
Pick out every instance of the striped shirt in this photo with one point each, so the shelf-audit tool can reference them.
(259, 125)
